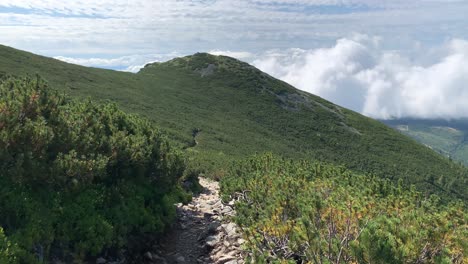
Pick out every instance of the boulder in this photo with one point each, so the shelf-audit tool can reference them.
(101, 260)
(212, 241)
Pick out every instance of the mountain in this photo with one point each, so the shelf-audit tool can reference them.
(447, 137)
(221, 109)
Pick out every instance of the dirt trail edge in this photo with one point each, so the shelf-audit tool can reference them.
(202, 233)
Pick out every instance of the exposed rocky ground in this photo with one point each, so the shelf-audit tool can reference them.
(202, 233)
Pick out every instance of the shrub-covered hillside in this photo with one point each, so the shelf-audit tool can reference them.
(223, 109)
(78, 179)
(448, 137)
(305, 212)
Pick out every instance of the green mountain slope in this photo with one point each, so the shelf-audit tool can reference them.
(222, 109)
(447, 137)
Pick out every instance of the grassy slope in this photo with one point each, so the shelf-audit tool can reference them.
(449, 138)
(241, 110)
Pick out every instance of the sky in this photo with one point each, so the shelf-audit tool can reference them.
(385, 59)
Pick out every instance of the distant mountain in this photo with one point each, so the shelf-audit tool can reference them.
(447, 137)
(220, 109)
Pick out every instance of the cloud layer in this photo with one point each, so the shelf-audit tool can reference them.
(358, 74)
(121, 28)
(131, 63)
(394, 76)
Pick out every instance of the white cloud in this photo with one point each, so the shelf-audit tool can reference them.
(73, 28)
(98, 62)
(357, 73)
(131, 63)
(241, 55)
(135, 68)
(360, 72)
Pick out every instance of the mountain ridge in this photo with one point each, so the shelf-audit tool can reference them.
(237, 110)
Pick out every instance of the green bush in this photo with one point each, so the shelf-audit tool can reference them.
(78, 177)
(7, 250)
(305, 212)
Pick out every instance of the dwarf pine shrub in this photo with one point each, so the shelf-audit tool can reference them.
(77, 177)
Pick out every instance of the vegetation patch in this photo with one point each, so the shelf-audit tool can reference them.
(242, 111)
(78, 179)
(308, 212)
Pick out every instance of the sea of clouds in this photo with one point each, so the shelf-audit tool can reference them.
(359, 74)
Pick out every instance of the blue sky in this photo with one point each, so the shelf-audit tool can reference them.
(283, 37)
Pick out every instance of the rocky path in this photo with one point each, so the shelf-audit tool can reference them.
(202, 233)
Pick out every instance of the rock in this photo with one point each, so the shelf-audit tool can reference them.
(209, 231)
(204, 239)
(226, 210)
(226, 243)
(207, 215)
(148, 255)
(158, 259)
(230, 229)
(225, 259)
(213, 227)
(180, 260)
(211, 241)
(101, 260)
(240, 241)
(218, 254)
